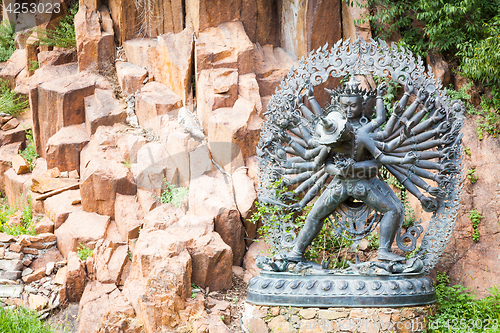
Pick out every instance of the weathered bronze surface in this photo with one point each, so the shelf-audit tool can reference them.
(334, 155)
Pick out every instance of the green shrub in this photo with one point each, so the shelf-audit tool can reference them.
(10, 102)
(172, 194)
(475, 217)
(64, 34)
(22, 320)
(84, 252)
(29, 153)
(458, 309)
(481, 58)
(7, 44)
(5, 212)
(27, 226)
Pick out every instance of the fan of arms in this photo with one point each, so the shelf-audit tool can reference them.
(341, 141)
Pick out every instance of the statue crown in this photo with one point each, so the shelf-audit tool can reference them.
(351, 89)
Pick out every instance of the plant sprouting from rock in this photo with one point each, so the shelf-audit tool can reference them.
(84, 252)
(172, 194)
(30, 154)
(11, 102)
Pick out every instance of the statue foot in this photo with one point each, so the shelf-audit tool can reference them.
(293, 256)
(386, 255)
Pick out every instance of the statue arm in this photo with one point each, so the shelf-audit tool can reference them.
(380, 108)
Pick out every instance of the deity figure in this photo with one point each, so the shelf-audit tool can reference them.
(348, 146)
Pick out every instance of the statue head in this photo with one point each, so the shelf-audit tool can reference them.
(354, 101)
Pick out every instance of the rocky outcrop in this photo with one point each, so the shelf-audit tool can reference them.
(95, 39)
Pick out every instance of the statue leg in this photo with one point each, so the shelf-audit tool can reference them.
(325, 205)
(381, 198)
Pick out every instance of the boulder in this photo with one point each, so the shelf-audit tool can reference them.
(211, 257)
(179, 145)
(233, 134)
(213, 196)
(43, 184)
(162, 217)
(52, 255)
(64, 147)
(11, 124)
(259, 248)
(14, 66)
(130, 77)
(45, 74)
(129, 145)
(147, 200)
(109, 261)
(59, 56)
(245, 197)
(95, 41)
(7, 152)
(200, 162)
(113, 235)
(248, 88)
(175, 55)
(153, 161)
(271, 64)
(120, 316)
(225, 46)
(16, 187)
(80, 227)
(215, 88)
(97, 301)
(155, 99)
(75, 278)
(142, 52)
(13, 135)
(45, 225)
(103, 109)
(59, 206)
(20, 165)
(160, 279)
(128, 216)
(60, 103)
(103, 174)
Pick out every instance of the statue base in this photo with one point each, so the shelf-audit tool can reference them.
(257, 318)
(340, 290)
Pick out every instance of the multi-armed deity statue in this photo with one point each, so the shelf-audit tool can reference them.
(331, 158)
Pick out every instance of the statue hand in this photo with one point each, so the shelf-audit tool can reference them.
(409, 87)
(410, 158)
(443, 127)
(437, 192)
(422, 95)
(429, 103)
(397, 109)
(428, 204)
(382, 88)
(448, 139)
(284, 136)
(438, 115)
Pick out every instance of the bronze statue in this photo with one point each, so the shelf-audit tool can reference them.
(334, 155)
(350, 148)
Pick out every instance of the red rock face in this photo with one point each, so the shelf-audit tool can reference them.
(475, 264)
(64, 147)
